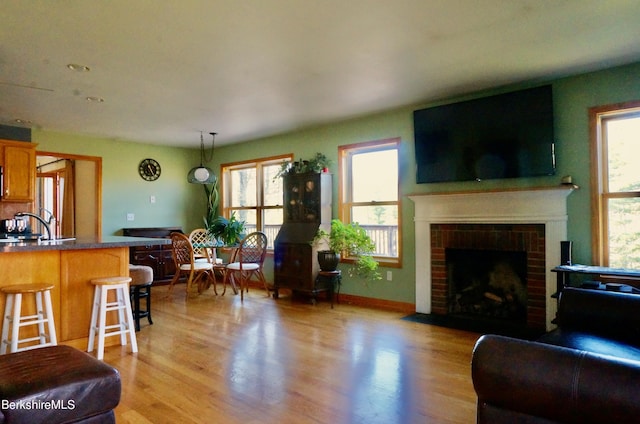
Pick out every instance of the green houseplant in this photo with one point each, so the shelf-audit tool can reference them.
(211, 192)
(229, 231)
(318, 163)
(352, 240)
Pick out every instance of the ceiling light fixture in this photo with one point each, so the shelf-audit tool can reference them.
(202, 174)
(94, 99)
(22, 121)
(78, 68)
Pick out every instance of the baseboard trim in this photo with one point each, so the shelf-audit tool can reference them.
(370, 302)
(349, 299)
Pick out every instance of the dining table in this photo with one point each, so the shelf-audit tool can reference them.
(218, 263)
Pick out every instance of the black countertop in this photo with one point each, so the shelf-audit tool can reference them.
(80, 243)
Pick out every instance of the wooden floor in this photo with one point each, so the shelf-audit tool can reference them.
(212, 359)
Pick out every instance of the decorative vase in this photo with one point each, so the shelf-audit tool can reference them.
(328, 260)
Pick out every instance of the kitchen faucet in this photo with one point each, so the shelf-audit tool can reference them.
(45, 223)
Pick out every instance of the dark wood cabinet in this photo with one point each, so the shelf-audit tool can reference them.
(157, 256)
(307, 207)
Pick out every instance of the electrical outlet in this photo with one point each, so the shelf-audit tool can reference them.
(131, 217)
(389, 276)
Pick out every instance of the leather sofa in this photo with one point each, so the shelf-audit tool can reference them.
(57, 384)
(585, 371)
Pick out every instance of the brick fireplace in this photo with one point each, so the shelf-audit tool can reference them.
(494, 238)
(531, 219)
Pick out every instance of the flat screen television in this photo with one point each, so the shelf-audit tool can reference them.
(504, 136)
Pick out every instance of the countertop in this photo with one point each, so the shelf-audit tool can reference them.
(81, 243)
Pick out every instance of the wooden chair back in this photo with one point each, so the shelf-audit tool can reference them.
(253, 249)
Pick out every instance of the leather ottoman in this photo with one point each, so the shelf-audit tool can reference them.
(57, 384)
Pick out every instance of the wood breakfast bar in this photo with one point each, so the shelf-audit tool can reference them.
(69, 265)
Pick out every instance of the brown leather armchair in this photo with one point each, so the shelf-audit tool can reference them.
(585, 371)
(57, 384)
(529, 382)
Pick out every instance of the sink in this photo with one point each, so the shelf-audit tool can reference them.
(57, 240)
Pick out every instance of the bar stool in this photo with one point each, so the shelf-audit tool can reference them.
(101, 306)
(140, 288)
(12, 317)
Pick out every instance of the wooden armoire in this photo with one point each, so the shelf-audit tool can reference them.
(307, 207)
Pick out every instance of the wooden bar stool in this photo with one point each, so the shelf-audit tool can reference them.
(101, 306)
(140, 288)
(14, 321)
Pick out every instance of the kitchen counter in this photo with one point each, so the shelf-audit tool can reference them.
(68, 265)
(78, 243)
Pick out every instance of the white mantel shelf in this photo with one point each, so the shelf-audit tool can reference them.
(539, 205)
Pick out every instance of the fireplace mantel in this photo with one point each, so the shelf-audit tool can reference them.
(546, 206)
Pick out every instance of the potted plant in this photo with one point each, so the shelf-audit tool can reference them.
(353, 240)
(211, 192)
(319, 163)
(229, 231)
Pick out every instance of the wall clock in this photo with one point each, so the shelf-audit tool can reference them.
(149, 169)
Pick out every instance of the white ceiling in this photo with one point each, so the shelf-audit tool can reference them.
(253, 68)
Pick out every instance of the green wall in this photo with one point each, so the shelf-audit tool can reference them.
(180, 203)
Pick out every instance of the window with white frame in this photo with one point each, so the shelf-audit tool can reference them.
(253, 193)
(369, 194)
(615, 145)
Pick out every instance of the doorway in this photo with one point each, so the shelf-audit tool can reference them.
(70, 188)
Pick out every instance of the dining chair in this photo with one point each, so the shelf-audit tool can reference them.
(199, 238)
(204, 251)
(197, 273)
(249, 260)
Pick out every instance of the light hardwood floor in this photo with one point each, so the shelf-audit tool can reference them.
(211, 359)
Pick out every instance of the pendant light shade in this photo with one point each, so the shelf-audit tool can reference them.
(202, 174)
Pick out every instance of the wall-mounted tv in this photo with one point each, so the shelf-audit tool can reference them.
(504, 136)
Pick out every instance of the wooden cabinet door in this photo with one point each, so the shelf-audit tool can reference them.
(293, 266)
(150, 259)
(168, 265)
(19, 173)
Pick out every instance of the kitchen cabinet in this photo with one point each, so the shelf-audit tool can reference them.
(307, 207)
(157, 256)
(18, 161)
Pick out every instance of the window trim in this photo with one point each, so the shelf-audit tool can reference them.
(599, 183)
(344, 177)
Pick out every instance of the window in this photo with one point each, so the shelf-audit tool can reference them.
(251, 191)
(616, 185)
(369, 194)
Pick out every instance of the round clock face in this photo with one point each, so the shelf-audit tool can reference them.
(149, 169)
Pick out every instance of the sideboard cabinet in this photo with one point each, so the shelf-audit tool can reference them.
(307, 207)
(157, 256)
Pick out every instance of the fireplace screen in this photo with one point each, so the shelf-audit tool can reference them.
(487, 283)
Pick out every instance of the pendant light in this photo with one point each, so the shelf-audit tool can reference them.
(202, 174)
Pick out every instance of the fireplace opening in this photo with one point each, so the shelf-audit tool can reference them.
(487, 283)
